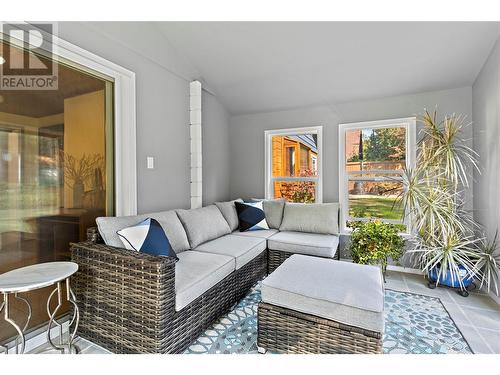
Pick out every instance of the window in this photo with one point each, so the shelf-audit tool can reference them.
(372, 157)
(293, 164)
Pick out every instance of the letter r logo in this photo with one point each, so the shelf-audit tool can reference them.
(24, 49)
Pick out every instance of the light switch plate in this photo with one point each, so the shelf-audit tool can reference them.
(151, 162)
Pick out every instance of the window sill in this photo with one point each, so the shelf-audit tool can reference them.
(406, 236)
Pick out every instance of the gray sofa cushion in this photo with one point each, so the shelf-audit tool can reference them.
(196, 272)
(229, 212)
(273, 208)
(348, 293)
(265, 233)
(203, 224)
(320, 245)
(108, 226)
(242, 248)
(311, 218)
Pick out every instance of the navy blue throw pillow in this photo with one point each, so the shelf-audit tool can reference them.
(251, 216)
(147, 237)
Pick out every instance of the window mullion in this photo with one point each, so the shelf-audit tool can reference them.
(314, 179)
(376, 179)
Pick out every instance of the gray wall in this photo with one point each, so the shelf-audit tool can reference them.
(215, 133)
(162, 79)
(246, 133)
(486, 116)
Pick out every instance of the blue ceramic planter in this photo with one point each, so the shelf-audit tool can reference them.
(445, 279)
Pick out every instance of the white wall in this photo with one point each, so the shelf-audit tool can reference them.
(246, 133)
(486, 116)
(162, 110)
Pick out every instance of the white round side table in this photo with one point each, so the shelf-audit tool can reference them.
(39, 276)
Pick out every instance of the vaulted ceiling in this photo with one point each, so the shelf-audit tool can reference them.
(258, 66)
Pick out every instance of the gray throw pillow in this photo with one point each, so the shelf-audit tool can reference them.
(311, 217)
(273, 208)
(108, 226)
(228, 210)
(203, 224)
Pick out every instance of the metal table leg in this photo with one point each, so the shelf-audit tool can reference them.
(7, 318)
(76, 315)
(62, 346)
(16, 296)
(5, 348)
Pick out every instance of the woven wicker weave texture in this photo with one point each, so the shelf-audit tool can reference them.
(127, 299)
(127, 304)
(281, 330)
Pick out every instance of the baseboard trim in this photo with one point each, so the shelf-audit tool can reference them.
(402, 269)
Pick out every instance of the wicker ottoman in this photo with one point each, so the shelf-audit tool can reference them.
(316, 305)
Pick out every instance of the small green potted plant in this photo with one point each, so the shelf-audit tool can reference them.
(374, 242)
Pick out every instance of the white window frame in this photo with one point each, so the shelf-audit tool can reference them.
(314, 160)
(409, 123)
(124, 99)
(269, 179)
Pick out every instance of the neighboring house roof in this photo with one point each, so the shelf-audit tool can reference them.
(308, 139)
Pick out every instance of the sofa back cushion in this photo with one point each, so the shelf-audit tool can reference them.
(228, 210)
(311, 217)
(203, 224)
(273, 208)
(109, 226)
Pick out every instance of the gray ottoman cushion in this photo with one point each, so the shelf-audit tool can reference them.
(320, 245)
(244, 249)
(228, 210)
(203, 224)
(311, 218)
(195, 273)
(108, 226)
(348, 293)
(266, 233)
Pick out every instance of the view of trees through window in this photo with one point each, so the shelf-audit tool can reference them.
(375, 158)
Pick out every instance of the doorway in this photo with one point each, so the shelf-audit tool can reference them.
(56, 171)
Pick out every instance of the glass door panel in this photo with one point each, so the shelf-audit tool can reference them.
(56, 173)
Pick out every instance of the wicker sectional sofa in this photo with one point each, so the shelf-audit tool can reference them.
(131, 302)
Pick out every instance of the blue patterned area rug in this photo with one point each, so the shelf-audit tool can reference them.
(414, 324)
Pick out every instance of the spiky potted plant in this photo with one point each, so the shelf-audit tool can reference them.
(488, 263)
(444, 232)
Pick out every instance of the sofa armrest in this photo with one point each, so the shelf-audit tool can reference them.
(93, 235)
(126, 298)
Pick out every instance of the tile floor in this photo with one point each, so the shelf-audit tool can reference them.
(477, 316)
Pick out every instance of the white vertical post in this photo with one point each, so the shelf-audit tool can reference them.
(195, 143)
